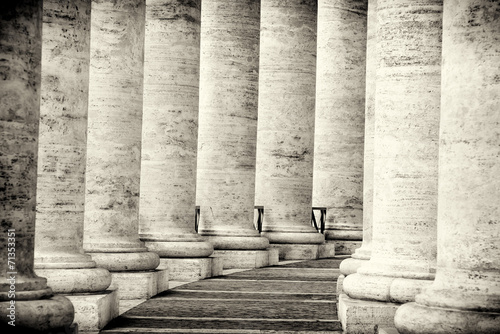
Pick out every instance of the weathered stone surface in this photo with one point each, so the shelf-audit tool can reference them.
(94, 311)
(145, 284)
(405, 150)
(170, 129)
(229, 77)
(114, 136)
(346, 247)
(187, 269)
(339, 115)
(362, 317)
(286, 120)
(465, 296)
(20, 60)
(243, 259)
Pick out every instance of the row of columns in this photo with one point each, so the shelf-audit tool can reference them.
(120, 157)
(432, 102)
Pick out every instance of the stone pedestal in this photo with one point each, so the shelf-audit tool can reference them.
(114, 138)
(194, 269)
(285, 139)
(364, 317)
(339, 124)
(363, 254)
(243, 259)
(62, 151)
(225, 188)
(25, 299)
(170, 130)
(405, 154)
(146, 284)
(465, 296)
(94, 310)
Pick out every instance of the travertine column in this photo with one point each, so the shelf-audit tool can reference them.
(405, 153)
(362, 254)
(170, 129)
(114, 137)
(25, 299)
(339, 125)
(228, 123)
(465, 296)
(62, 150)
(286, 120)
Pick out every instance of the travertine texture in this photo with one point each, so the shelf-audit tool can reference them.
(94, 311)
(225, 189)
(62, 150)
(20, 59)
(362, 254)
(114, 136)
(286, 120)
(170, 129)
(405, 152)
(465, 296)
(339, 124)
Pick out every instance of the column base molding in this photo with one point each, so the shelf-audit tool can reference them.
(243, 259)
(94, 311)
(305, 251)
(126, 261)
(139, 285)
(350, 266)
(413, 318)
(37, 315)
(364, 317)
(192, 269)
(76, 280)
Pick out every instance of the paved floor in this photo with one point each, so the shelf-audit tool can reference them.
(296, 297)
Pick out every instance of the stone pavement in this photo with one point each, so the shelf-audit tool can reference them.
(293, 297)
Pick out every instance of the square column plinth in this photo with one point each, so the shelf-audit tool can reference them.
(139, 285)
(346, 247)
(305, 251)
(362, 316)
(94, 311)
(243, 259)
(192, 269)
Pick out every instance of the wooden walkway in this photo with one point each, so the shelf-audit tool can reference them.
(290, 298)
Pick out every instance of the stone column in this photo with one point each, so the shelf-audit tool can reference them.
(228, 125)
(62, 151)
(362, 254)
(286, 123)
(465, 296)
(25, 300)
(114, 138)
(170, 133)
(407, 107)
(339, 124)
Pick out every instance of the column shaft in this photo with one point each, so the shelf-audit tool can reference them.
(465, 296)
(170, 129)
(339, 124)
(405, 153)
(24, 297)
(362, 254)
(114, 137)
(228, 123)
(285, 139)
(62, 150)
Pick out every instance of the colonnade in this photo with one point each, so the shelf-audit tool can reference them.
(120, 117)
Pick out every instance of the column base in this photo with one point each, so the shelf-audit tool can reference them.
(27, 316)
(140, 261)
(274, 256)
(413, 318)
(340, 284)
(362, 317)
(346, 247)
(180, 249)
(305, 237)
(243, 259)
(327, 250)
(139, 285)
(94, 311)
(350, 266)
(76, 280)
(297, 251)
(191, 269)
(238, 242)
